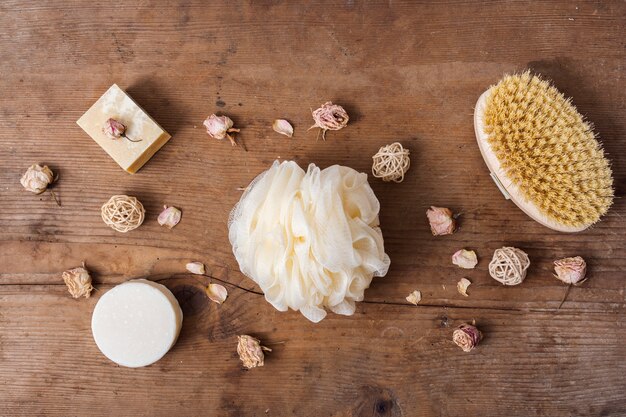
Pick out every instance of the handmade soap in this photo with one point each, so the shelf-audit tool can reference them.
(143, 135)
(136, 323)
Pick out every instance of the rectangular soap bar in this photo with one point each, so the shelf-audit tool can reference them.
(116, 104)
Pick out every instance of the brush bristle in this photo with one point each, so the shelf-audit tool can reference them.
(548, 150)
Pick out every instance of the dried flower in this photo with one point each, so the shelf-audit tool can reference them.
(329, 117)
(219, 127)
(37, 178)
(113, 129)
(465, 259)
(462, 285)
(250, 351)
(415, 297)
(78, 282)
(283, 127)
(169, 217)
(467, 337)
(195, 268)
(571, 270)
(441, 221)
(216, 293)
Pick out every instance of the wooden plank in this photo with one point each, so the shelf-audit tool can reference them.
(404, 70)
(386, 360)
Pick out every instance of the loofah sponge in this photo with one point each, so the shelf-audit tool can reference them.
(310, 239)
(542, 153)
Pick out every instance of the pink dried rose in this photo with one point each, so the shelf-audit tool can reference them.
(220, 127)
(441, 221)
(114, 129)
(467, 337)
(250, 351)
(571, 270)
(169, 217)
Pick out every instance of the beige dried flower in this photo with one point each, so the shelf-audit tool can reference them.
(415, 297)
(441, 221)
(169, 217)
(571, 270)
(250, 351)
(216, 293)
(465, 259)
(37, 178)
(78, 282)
(195, 268)
(467, 337)
(462, 285)
(220, 127)
(283, 127)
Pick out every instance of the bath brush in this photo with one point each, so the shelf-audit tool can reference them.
(542, 154)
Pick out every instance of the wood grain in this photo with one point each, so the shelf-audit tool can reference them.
(407, 71)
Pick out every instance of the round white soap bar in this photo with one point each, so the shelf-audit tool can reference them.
(136, 323)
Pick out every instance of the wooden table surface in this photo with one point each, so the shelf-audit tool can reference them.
(407, 71)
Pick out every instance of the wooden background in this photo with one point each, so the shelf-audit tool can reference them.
(407, 71)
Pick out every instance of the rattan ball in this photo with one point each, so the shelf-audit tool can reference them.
(509, 265)
(123, 213)
(391, 162)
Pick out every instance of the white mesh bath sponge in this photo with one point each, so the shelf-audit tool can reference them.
(310, 239)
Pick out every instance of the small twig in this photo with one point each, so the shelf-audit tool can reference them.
(54, 196)
(124, 136)
(564, 297)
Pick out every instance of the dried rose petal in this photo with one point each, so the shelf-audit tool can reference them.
(216, 293)
(441, 221)
(37, 178)
(283, 127)
(462, 285)
(78, 282)
(415, 297)
(250, 351)
(465, 259)
(467, 337)
(113, 129)
(169, 217)
(219, 127)
(571, 270)
(195, 268)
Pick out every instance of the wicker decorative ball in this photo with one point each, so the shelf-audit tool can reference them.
(509, 265)
(123, 213)
(391, 162)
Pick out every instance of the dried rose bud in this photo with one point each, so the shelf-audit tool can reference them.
(467, 337)
(465, 259)
(114, 129)
(78, 282)
(195, 268)
(571, 270)
(216, 293)
(169, 217)
(37, 178)
(283, 127)
(219, 127)
(250, 351)
(441, 221)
